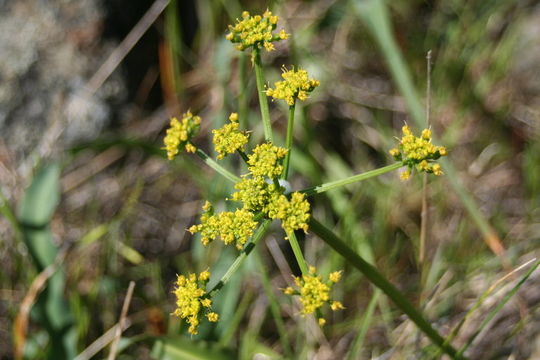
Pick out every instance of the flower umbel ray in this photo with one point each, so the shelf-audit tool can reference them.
(179, 134)
(418, 153)
(192, 300)
(254, 31)
(314, 293)
(295, 85)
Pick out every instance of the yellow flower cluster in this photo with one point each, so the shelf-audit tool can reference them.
(418, 153)
(257, 192)
(296, 85)
(265, 160)
(254, 193)
(314, 293)
(191, 298)
(229, 138)
(254, 31)
(180, 133)
(293, 213)
(230, 226)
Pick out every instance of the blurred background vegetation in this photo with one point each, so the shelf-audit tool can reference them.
(89, 202)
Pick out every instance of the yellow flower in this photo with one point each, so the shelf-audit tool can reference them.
(228, 139)
(229, 226)
(293, 213)
(418, 153)
(191, 298)
(314, 293)
(179, 134)
(254, 192)
(296, 85)
(265, 160)
(255, 31)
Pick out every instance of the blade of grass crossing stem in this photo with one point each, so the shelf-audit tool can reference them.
(363, 325)
(499, 307)
(232, 325)
(375, 16)
(35, 213)
(274, 306)
(377, 279)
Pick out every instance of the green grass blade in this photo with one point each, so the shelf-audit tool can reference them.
(35, 212)
(377, 279)
(181, 348)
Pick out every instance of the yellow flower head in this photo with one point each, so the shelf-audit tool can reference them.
(229, 138)
(418, 153)
(293, 213)
(191, 299)
(254, 192)
(254, 31)
(314, 293)
(179, 134)
(265, 160)
(231, 226)
(296, 85)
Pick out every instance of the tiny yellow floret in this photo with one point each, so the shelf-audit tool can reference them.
(255, 31)
(179, 134)
(296, 85)
(229, 138)
(191, 298)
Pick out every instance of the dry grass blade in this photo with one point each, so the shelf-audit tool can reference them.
(21, 321)
(126, 45)
(102, 341)
(118, 333)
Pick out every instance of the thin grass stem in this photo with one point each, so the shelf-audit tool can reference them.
(377, 279)
(288, 141)
(355, 178)
(214, 165)
(263, 101)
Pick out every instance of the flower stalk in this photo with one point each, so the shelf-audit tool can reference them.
(263, 102)
(288, 141)
(350, 180)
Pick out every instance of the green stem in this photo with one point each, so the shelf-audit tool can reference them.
(355, 178)
(377, 279)
(243, 156)
(298, 252)
(259, 234)
(242, 98)
(214, 165)
(288, 141)
(263, 101)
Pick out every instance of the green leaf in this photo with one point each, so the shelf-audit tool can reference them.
(181, 348)
(51, 310)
